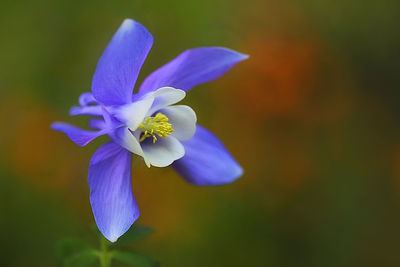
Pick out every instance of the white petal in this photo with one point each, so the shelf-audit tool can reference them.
(124, 137)
(164, 97)
(183, 120)
(133, 114)
(163, 152)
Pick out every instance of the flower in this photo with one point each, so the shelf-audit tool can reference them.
(147, 123)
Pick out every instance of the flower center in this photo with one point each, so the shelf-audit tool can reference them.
(157, 125)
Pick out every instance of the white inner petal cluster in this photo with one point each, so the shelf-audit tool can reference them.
(155, 127)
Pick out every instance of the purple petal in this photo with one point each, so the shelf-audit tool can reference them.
(193, 67)
(119, 66)
(79, 136)
(97, 124)
(207, 161)
(86, 99)
(86, 110)
(114, 207)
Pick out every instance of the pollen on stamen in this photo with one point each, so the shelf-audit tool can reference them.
(157, 125)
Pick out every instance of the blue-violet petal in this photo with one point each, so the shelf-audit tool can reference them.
(207, 161)
(78, 136)
(119, 66)
(111, 197)
(193, 67)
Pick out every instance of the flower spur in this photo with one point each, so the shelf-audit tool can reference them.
(147, 124)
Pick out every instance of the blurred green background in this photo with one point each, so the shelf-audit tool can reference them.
(312, 116)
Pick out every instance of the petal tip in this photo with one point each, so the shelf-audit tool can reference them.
(127, 24)
(115, 233)
(237, 173)
(245, 56)
(73, 111)
(55, 126)
(240, 56)
(112, 238)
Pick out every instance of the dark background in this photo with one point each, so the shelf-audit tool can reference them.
(312, 116)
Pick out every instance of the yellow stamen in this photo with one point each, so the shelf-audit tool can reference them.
(157, 125)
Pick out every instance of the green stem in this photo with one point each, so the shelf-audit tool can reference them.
(105, 255)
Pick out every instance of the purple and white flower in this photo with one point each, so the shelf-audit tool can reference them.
(147, 123)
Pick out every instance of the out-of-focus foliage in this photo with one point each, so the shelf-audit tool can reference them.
(312, 116)
(75, 252)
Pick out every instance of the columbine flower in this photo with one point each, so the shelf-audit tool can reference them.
(147, 123)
